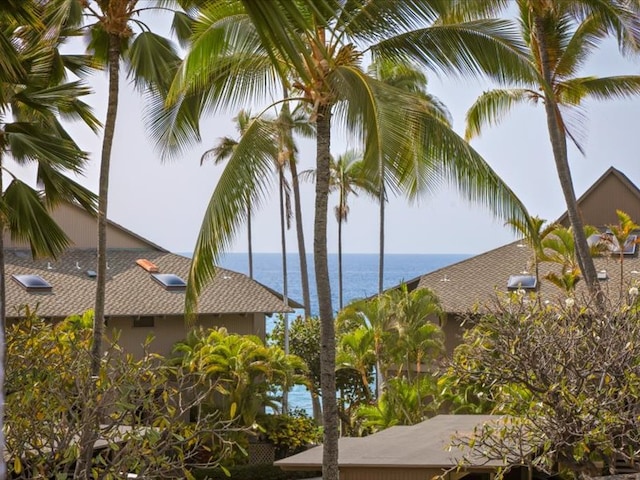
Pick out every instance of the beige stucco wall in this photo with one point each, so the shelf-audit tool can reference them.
(81, 228)
(347, 473)
(599, 207)
(169, 329)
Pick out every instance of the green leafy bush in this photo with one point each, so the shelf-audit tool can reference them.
(290, 433)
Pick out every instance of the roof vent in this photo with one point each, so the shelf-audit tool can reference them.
(91, 273)
(602, 275)
(148, 265)
(33, 283)
(524, 282)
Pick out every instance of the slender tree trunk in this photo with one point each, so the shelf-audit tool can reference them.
(3, 323)
(327, 331)
(285, 293)
(302, 251)
(382, 200)
(91, 426)
(249, 240)
(340, 259)
(559, 147)
(103, 197)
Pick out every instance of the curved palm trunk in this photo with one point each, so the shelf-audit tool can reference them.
(381, 259)
(249, 241)
(559, 147)
(90, 418)
(340, 259)
(3, 314)
(302, 251)
(103, 197)
(327, 328)
(283, 240)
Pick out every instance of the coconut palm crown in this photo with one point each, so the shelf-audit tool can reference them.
(560, 36)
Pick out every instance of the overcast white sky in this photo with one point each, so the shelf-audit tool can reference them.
(165, 202)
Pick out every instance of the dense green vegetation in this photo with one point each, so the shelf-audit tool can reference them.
(306, 59)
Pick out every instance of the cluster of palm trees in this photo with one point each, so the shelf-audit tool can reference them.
(308, 55)
(397, 335)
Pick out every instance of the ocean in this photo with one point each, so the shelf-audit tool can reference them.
(360, 279)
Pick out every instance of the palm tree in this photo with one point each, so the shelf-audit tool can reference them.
(623, 235)
(243, 49)
(419, 339)
(150, 60)
(560, 36)
(223, 151)
(34, 93)
(411, 79)
(241, 367)
(347, 177)
(534, 231)
(374, 315)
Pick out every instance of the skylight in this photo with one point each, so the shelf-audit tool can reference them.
(629, 246)
(169, 281)
(525, 282)
(33, 283)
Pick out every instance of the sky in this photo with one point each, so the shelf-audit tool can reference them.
(165, 202)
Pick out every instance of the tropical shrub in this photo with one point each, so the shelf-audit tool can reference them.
(240, 369)
(291, 433)
(137, 409)
(567, 377)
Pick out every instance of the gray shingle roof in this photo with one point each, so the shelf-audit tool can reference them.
(424, 445)
(130, 289)
(475, 281)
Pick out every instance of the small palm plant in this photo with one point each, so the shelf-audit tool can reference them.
(624, 235)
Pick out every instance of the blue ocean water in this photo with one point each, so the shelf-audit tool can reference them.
(360, 279)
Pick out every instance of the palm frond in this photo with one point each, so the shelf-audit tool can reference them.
(488, 48)
(244, 179)
(490, 108)
(29, 221)
(575, 90)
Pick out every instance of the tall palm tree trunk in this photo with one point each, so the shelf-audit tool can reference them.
(249, 240)
(304, 270)
(3, 322)
(90, 417)
(559, 147)
(327, 328)
(302, 250)
(103, 198)
(285, 293)
(381, 258)
(340, 293)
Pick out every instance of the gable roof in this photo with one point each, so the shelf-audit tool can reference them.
(612, 191)
(471, 283)
(130, 289)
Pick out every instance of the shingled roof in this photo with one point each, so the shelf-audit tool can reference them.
(131, 290)
(424, 445)
(474, 282)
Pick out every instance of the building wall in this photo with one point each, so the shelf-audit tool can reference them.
(169, 329)
(392, 473)
(452, 333)
(599, 207)
(81, 228)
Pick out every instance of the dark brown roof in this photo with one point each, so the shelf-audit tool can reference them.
(130, 289)
(424, 445)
